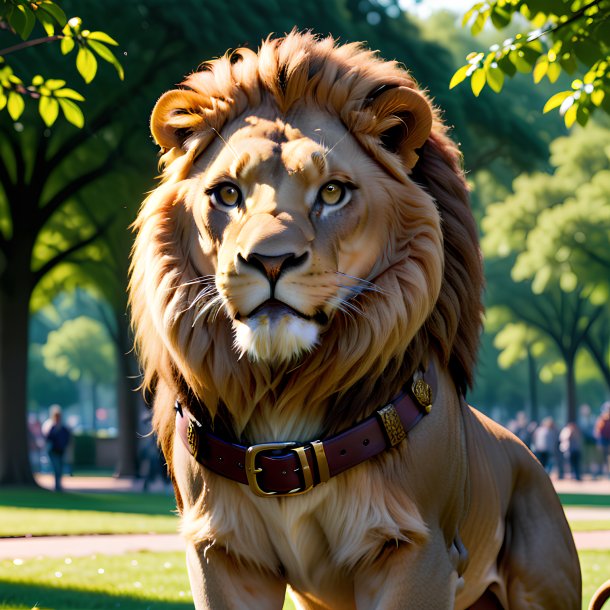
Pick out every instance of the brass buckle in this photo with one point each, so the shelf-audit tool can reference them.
(252, 471)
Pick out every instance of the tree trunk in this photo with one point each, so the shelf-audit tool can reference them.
(598, 356)
(571, 387)
(15, 467)
(128, 401)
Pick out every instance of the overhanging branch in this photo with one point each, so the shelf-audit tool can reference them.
(71, 189)
(65, 254)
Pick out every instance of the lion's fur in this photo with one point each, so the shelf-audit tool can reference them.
(339, 80)
(426, 307)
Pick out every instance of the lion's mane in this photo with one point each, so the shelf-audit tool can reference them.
(361, 359)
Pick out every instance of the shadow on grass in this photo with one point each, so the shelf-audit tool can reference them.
(21, 595)
(124, 502)
(572, 499)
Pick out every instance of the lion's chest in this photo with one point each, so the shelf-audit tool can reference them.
(315, 539)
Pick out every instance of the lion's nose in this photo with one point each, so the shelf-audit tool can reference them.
(273, 266)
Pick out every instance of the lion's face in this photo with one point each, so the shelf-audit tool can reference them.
(297, 221)
(312, 230)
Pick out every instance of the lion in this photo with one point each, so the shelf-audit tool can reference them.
(306, 301)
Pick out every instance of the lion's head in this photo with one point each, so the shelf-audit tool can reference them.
(311, 234)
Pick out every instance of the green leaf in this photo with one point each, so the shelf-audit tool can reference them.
(568, 62)
(3, 99)
(18, 20)
(495, 79)
(15, 105)
(471, 12)
(67, 44)
(597, 97)
(30, 21)
(459, 76)
(540, 69)
(500, 17)
(86, 64)
(48, 109)
(70, 94)
(54, 83)
(582, 113)
(479, 22)
(102, 37)
(570, 116)
(47, 22)
(507, 66)
(556, 100)
(519, 60)
(105, 53)
(72, 112)
(554, 71)
(477, 81)
(55, 11)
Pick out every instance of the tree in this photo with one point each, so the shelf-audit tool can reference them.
(518, 236)
(58, 192)
(82, 351)
(569, 35)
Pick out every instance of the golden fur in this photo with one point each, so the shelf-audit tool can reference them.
(378, 286)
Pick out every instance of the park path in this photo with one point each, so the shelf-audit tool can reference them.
(74, 546)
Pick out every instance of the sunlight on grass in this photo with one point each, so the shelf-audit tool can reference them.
(36, 522)
(595, 570)
(577, 525)
(134, 581)
(140, 581)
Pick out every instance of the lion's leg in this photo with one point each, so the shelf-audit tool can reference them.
(219, 583)
(410, 577)
(540, 563)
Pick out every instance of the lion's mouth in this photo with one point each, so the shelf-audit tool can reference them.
(275, 309)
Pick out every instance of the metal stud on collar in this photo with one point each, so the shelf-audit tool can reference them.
(422, 392)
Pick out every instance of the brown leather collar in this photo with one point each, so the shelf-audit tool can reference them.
(290, 468)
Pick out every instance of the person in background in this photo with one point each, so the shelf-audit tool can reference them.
(602, 436)
(570, 446)
(544, 441)
(57, 437)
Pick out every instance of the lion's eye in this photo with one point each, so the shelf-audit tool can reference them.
(333, 193)
(225, 195)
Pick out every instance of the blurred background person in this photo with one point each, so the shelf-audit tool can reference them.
(57, 437)
(544, 442)
(602, 436)
(570, 446)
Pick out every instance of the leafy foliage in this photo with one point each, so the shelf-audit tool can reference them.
(550, 237)
(571, 36)
(20, 17)
(80, 349)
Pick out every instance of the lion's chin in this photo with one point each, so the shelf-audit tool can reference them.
(275, 339)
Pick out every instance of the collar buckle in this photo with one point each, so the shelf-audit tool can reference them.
(253, 471)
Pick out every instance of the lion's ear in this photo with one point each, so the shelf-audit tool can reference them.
(175, 116)
(403, 121)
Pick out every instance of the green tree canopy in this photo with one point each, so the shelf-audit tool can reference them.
(571, 36)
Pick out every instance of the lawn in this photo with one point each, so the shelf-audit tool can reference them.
(38, 512)
(145, 581)
(140, 581)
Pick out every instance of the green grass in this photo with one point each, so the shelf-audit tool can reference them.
(595, 566)
(134, 581)
(38, 512)
(141, 581)
(577, 525)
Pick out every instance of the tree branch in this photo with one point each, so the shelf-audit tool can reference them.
(30, 43)
(105, 116)
(44, 213)
(39, 273)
